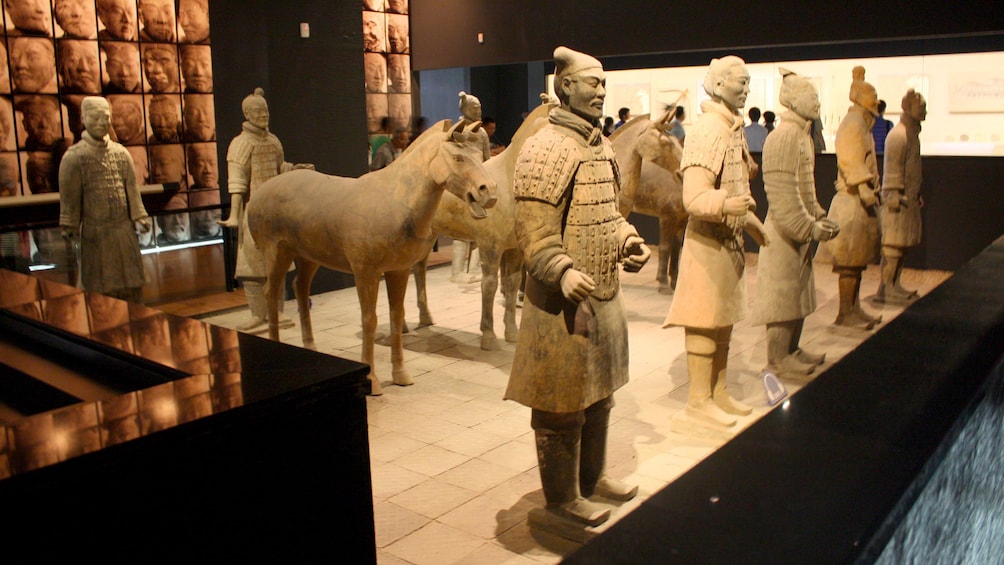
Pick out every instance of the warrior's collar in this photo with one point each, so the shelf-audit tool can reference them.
(100, 143)
(254, 130)
(799, 121)
(732, 119)
(589, 132)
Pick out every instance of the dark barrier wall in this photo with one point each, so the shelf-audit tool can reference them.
(528, 30)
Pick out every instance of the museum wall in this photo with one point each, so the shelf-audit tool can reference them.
(528, 30)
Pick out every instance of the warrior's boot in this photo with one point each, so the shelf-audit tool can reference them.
(719, 369)
(254, 292)
(458, 273)
(780, 357)
(801, 354)
(890, 289)
(700, 366)
(592, 479)
(850, 314)
(558, 455)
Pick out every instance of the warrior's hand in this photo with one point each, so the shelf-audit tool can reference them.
(738, 205)
(230, 222)
(309, 166)
(824, 230)
(893, 201)
(636, 254)
(576, 285)
(143, 225)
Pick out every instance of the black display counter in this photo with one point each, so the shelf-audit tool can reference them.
(128, 434)
(829, 475)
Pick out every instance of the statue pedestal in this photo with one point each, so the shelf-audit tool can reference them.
(541, 519)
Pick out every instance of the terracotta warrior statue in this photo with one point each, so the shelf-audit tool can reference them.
(100, 206)
(901, 200)
(572, 352)
(854, 207)
(253, 157)
(711, 287)
(786, 290)
(464, 257)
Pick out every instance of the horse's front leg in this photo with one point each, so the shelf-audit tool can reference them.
(305, 271)
(419, 270)
(667, 234)
(489, 285)
(367, 286)
(397, 285)
(512, 276)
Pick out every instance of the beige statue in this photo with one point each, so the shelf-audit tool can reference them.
(377, 225)
(854, 207)
(100, 206)
(901, 180)
(465, 254)
(254, 156)
(786, 291)
(711, 292)
(572, 352)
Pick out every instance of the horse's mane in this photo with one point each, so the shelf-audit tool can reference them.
(530, 126)
(434, 132)
(632, 126)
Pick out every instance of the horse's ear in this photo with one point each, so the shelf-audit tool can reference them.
(447, 125)
(454, 132)
(668, 116)
(475, 127)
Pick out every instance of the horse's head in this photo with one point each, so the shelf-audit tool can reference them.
(656, 145)
(457, 166)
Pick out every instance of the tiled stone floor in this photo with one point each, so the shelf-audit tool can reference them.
(454, 466)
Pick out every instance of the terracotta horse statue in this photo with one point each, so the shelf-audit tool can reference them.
(651, 185)
(495, 238)
(646, 141)
(377, 224)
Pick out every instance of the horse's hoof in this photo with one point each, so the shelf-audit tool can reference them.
(490, 343)
(375, 388)
(310, 345)
(665, 290)
(424, 321)
(403, 379)
(512, 336)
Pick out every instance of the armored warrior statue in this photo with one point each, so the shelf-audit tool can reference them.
(711, 292)
(854, 206)
(572, 352)
(253, 157)
(786, 291)
(100, 203)
(901, 180)
(463, 256)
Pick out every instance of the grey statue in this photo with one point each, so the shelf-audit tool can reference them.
(572, 352)
(465, 254)
(253, 157)
(901, 200)
(711, 292)
(100, 206)
(786, 291)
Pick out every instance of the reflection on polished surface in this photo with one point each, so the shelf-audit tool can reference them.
(210, 355)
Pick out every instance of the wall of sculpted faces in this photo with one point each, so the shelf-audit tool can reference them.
(151, 59)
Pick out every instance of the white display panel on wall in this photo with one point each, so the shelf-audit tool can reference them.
(964, 92)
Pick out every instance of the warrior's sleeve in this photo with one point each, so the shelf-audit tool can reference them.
(70, 192)
(893, 173)
(239, 164)
(703, 158)
(854, 145)
(781, 158)
(545, 170)
(136, 209)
